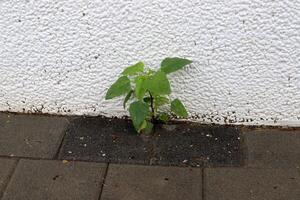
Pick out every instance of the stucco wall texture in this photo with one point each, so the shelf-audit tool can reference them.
(61, 56)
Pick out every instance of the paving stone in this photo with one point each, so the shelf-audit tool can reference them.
(106, 140)
(130, 182)
(273, 148)
(30, 135)
(194, 144)
(243, 183)
(6, 169)
(55, 180)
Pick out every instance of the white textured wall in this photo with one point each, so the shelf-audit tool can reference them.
(60, 56)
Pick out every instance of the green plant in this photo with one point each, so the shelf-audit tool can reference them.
(149, 91)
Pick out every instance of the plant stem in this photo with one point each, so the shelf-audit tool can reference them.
(152, 107)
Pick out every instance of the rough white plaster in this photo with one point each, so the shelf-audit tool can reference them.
(60, 56)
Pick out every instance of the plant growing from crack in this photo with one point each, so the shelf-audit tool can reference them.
(148, 91)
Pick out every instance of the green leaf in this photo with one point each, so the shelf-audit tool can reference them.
(160, 100)
(143, 126)
(138, 111)
(169, 65)
(164, 117)
(120, 87)
(158, 84)
(134, 69)
(178, 108)
(148, 128)
(140, 89)
(127, 98)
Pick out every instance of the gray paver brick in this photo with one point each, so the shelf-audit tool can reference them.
(6, 168)
(55, 180)
(273, 148)
(131, 182)
(30, 136)
(260, 184)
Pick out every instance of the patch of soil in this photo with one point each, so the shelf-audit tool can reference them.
(179, 144)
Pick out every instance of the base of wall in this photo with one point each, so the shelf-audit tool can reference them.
(262, 123)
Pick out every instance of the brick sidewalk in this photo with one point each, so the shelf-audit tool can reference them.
(53, 158)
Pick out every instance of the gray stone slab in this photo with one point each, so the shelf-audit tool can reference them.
(131, 182)
(273, 148)
(55, 180)
(6, 169)
(243, 183)
(30, 135)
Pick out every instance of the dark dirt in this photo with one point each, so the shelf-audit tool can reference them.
(104, 139)
(177, 143)
(196, 145)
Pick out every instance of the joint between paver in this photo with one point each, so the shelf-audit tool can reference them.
(103, 181)
(244, 148)
(60, 146)
(25, 158)
(48, 159)
(203, 184)
(10, 175)
(55, 157)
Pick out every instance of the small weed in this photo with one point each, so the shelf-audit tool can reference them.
(148, 93)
